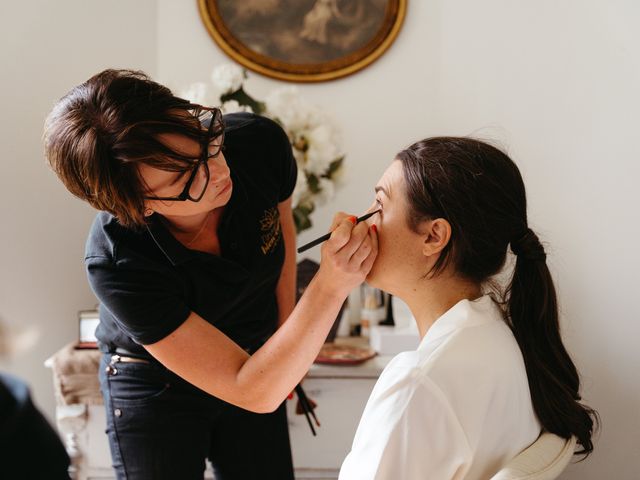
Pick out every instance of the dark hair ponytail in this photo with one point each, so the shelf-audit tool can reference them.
(532, 313)
(479, 190)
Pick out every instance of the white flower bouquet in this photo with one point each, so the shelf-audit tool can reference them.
(314, 139)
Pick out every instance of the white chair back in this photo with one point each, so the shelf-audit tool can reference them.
(544, 459)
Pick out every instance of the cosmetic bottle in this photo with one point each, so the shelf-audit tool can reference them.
(372, 309)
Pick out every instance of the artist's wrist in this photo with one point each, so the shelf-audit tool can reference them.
(329, 289)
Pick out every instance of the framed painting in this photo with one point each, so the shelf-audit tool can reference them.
(303, 40)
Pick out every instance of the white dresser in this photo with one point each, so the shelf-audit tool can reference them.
(341, 393)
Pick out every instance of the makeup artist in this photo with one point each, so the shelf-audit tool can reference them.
(192, 259)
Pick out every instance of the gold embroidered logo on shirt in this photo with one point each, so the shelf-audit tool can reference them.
(270, 228)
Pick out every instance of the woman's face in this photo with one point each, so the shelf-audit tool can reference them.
(399, 249)
(161, 183)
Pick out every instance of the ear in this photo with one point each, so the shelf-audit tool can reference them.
(436, 234)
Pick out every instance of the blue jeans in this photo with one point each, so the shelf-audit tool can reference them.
(162, 427)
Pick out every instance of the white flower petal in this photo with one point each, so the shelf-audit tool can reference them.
(196, 93)
(232, 106)
(322, 149)
(286, 105)
(301, 190)
(228, 77)
(327, 191)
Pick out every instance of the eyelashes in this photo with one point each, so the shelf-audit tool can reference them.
(378, 202)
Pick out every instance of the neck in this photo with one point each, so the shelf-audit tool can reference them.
(432, 298)
(186, 225)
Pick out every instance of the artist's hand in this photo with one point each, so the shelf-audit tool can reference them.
(347, 257)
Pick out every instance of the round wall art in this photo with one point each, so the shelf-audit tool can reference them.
(303, 40)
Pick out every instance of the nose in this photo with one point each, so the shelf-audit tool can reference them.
(219, 171)
(218, 167)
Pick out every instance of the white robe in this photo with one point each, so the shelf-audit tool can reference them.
(458, 407)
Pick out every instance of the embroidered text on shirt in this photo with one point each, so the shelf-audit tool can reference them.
(270, 228)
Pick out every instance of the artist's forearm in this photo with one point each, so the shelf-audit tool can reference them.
(274, 370)
(207, 358)
(286, 288)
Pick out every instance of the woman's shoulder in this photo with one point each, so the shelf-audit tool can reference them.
(258, 152)
(246, 123)
(109, 240)
(103, 235)
(482, 362)
(401, 374)
(469, 336)
(486, 352)
(252, 138)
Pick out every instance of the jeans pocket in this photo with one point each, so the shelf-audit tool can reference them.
(136, 383)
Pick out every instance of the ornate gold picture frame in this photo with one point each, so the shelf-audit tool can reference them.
(303, 40)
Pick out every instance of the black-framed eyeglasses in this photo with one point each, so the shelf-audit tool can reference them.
(210, 147)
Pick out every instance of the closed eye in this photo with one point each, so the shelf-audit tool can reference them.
(379, 202)
(180, 176)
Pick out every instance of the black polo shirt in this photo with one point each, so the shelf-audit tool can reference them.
(148, 282)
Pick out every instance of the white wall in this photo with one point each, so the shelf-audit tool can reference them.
(45, 49)
(557, 84)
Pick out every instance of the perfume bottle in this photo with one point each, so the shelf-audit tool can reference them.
(372, 309)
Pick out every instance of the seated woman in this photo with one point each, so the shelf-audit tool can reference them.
(491, 371)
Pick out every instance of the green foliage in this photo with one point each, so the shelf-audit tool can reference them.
(243, 98)
(300, 143)
(301, 216)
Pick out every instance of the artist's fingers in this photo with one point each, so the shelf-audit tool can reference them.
(338, 217)
(357, 244)
(341, 234)
(348, 255)
(367, 264)
(365, 247)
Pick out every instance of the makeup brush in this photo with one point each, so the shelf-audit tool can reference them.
(326, 237)
(306, 408)
(306, 403)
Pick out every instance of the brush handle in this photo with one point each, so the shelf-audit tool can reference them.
(312, 244)
(326, 236)
(302, 398)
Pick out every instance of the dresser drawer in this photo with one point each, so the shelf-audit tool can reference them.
(341, 402)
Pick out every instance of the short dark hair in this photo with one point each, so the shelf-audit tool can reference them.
(478, 189)
(98, 133)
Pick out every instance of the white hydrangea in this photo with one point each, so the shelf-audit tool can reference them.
(327, 191)
(300, 158)
(301, 190)
(227, 77)
(322, 149)
(339, 177)
(232, 106)
(196, 93)
(286, 105)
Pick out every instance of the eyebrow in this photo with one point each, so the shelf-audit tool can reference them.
(383, 190)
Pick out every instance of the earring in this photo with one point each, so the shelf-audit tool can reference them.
(148, 212)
